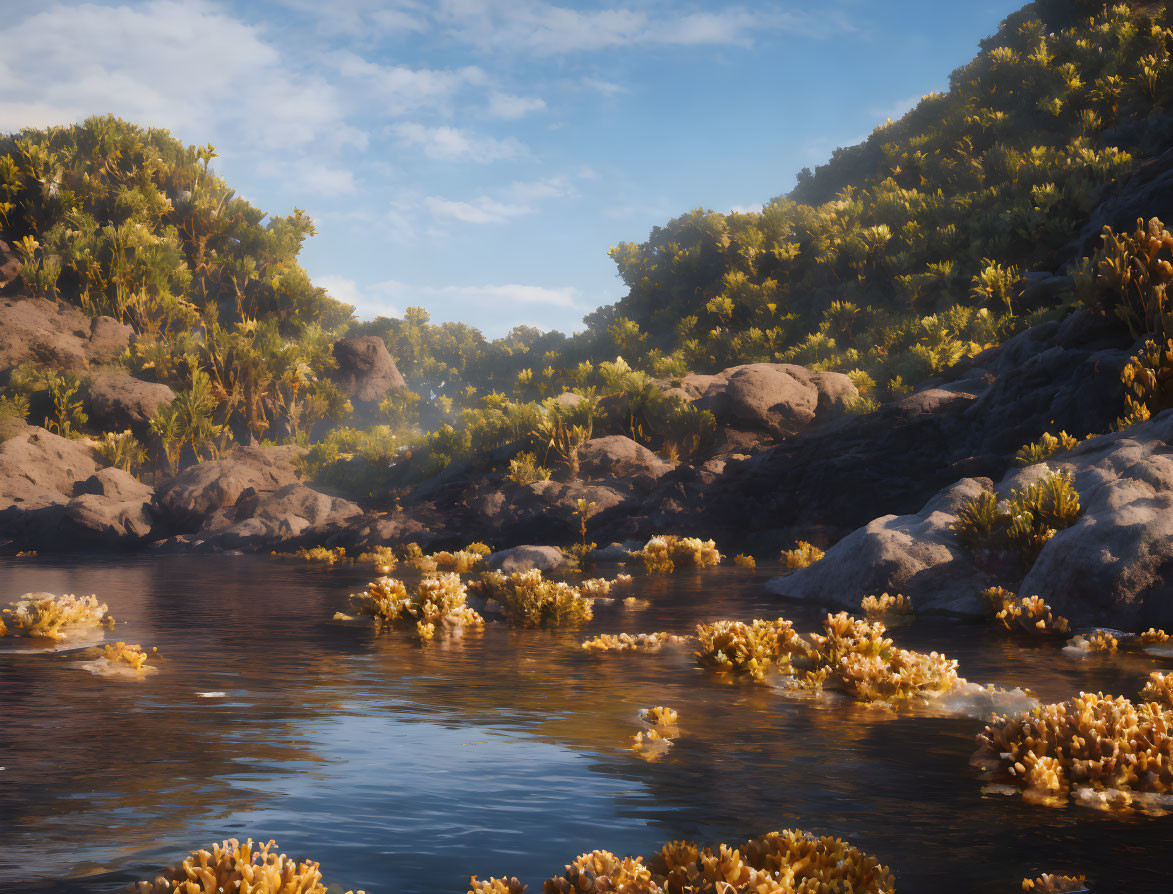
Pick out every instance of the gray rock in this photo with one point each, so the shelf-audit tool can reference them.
(617, 456)
(917, 555)
(366, 373)
(111, 508)
(198, 491)
(258, 520)
(118, 401)
(56, 334)
(525, 558)
(38, 468)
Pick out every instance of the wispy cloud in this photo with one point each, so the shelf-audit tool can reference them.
(519, 199)
(445, 143)
(510, 106)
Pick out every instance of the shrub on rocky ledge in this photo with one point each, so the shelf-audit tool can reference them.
(1022, 523)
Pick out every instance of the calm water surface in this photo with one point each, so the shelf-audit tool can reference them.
(408, 769)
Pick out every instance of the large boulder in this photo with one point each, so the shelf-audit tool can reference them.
(259, 519)
(38, 468)
(198, 491)
(617, 456)
(917, 555)
(366, 373)
(526, 558)
(118, 401)
(110, 507)
(56, 334)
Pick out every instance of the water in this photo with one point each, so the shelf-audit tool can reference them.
(408, 769)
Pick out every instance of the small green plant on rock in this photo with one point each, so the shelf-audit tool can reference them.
(1044, 448)
(123, 451)
(524, 469)
(1022, 523)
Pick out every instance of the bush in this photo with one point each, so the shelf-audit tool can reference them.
(524, 469)
(123, 451)
(1022, 524)
(662, 552)
(53, 617)
(438, 601)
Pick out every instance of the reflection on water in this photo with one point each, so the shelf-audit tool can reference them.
(408, 769)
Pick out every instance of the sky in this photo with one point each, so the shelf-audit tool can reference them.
(478, 158)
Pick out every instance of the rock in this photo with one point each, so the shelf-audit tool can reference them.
(195, 493)
(261, 520)
(917, 555)
(778, 398)
(9, 264)
(56, 334)
(366, 373)
(836, 392)
(568, 400)
(112, 507)
(617, 456)
(118, 401)
(525, 558)
(39, 468)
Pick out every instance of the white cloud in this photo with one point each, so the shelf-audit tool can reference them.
(369, 301)
(481, 210)
(499, 297)
(509, 106)
(607, 88)
(397, 89)
(446, 143)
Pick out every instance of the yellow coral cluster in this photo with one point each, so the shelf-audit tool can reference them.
(745, 561)
(234, 867)
(132, 656)
(877, 606)
(53, 617)
(439, 601)
(1055, 884)
(1097, 641)
(802, 555)
(664, 552)
(632, 642)
(748, 648)
(1158, 688)
(382, 557)
(529, 600)
(1152, 636)
(323, 554)
(600, 587)
(787, 862)
(1031, 615)
(1107, 752)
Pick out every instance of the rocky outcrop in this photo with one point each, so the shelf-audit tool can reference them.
(118, 401)
(188, 500)
(261, 520)
(56, 334)
(39, 469)
(366, 373)
(109, 508)
(526, 558)
(917, 555)
(617, 456)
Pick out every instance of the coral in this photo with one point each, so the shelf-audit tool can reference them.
(382, 557)
(234, 867)
(1158, 688)
(322, 554)
(748, 648)
(439, 601)
(1152, 636)
(658, 716)
(1044, 448)
(1032, 615)
(54, 617)
(1055, 884)
(787, 862)
(997, 599)
(628, 642)
(530, 600)
(132, 656)
(744, 561)
(461, 562)
(1098, 641)
(663, 552)
(495, 886)
(802, 555)
(876, 606)
(1100, 750)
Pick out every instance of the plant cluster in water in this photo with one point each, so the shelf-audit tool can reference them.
(878, 606)
(234, 868)
(530, 600)
(1048, 883)
(802, 555)
(632, 642)
(664, 552)
(53, 617)
(438, 601)
(787, 862)
(1026, 615)
(661, 731)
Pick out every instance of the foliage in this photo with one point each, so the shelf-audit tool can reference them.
(132, 656)
(53, 617)
(1023, 522)
(123, 451)
(1148, 383)
(1158, 688)
(1128, 276)
(628, 642)
(1097, 641)
(232, 866)
(524, 469)
(748, 648)
(802, 555)
(662, 552)
(438, 601)
(787, 861)
(1049, 883)
(1031, 615)
(1044, 448)
(529, 600)
(324, 554)
(877, 606)
(744, 561)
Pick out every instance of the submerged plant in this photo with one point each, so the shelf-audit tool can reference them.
(1152, 636)
(382, 557)
(1031, 615)
(744, 561)
(632, 642)
(132, 656)
(663, 552)
(54, 617)
(234, 867)
(802, 555)
(1102, 752)
(780, 862)
(878, 606)
(1158, 688)
(1048, 883)
(323, 554)
(439, 601)
(1097, 641)
(529, 600)
(748, 648)
(658, 716)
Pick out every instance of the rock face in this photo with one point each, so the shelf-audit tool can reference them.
(258, 520)
(194, 494)
(616, 456)
(917, 555)
(366, 372)
(118, 401)
(526, 558)
(39, 469)
(56, 334)
(110, 507)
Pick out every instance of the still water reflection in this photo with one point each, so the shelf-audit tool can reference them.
(406, 769)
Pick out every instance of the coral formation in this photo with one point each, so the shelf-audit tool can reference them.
(132, 656)
(629, 642)
(1048, 883)
(748, 648)
(877, 606)
(529, 600)
(1097, 641)
(787, 862)
(600, 587)
(382, 557)
(659, 716)
(234, 867)
(744, 561)
(439, 601)
(1152, 636)
(1100, 751)
(663, 552)
(1031, 615)
(802, 555)
(1158, 688)
(54, 617)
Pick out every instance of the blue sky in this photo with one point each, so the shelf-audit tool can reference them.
(479, 157)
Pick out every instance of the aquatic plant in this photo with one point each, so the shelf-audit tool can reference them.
(1158, 688)
(650, 744)
(1031, 615)
(631, 642)
(663, 552)
(744, 561)
(26, 554)
(877, 606)
(1101, 751)
(324, 554)
(462, 561)
(997, 599)
(481, 549)
(132, 656)
(600, 587)
(382, 557)
(1055, 884)
(1152, 636)
(734, 646)
(529, 600)
(1096, 641)
(438, 601)
(802, 555)
(1023, 522)
(234, 867)
(495, 886)
(1044, 448)
(54, 617)
(786, 862)
(659, 716)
